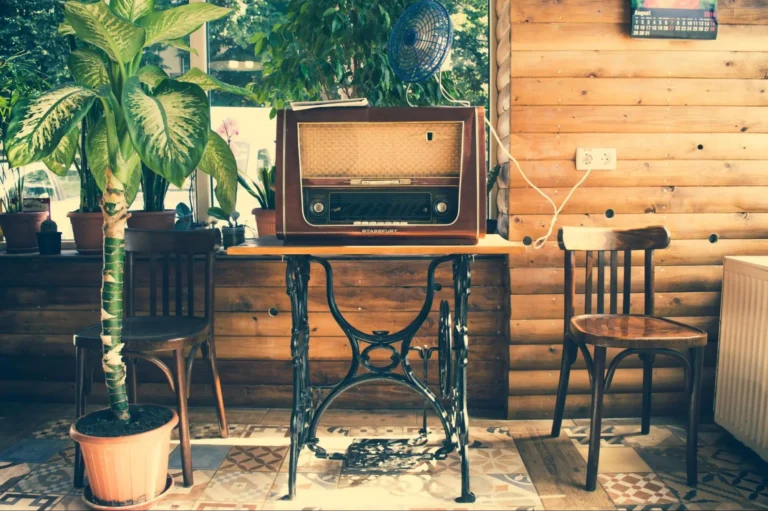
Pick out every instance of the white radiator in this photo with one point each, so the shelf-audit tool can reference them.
(741, 395)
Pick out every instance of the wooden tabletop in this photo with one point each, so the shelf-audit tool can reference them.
(492, 244)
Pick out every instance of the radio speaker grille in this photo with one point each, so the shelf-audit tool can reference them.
(380, 150)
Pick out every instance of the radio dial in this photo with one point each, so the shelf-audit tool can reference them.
(318, 207)
(441, 207)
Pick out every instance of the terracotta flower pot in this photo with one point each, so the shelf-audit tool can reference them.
(152, 220)
(127, 470)
(20, 230)
(266, 220)
(88, 231)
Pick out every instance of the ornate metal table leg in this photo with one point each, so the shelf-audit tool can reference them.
(297, 278)
(461, 284)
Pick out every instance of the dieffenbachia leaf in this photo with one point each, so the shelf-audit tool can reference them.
(98, 160)
(181, 44)
(177, 22)
(87, 68)
(60, 160)
(207, 83)
(132, 9)
(95, 23)
(37, 126)
(169, 128)
(65, 28)
(219, 163)
(151, 75)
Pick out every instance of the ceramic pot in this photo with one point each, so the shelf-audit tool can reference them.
(88, 231)
(266, 220)
(152, 220)
(20, 230)
(127, 470)
(49, 243)
(232, 236)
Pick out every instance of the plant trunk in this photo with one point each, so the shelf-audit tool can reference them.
(115, 211)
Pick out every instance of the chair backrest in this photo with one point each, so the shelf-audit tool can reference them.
(613, 241)
(163, 248)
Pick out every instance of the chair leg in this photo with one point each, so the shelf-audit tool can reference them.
(569, 356)
(598, 388)
(697, 369)
(648, 359)
(181, 397)
(80, 407)
(132, 385)
(210, 354)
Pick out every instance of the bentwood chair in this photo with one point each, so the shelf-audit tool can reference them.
(146, 337)
(642, 335)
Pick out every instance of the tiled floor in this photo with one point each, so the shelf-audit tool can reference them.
(515, 465)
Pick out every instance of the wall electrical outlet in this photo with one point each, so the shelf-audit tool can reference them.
(595, 159)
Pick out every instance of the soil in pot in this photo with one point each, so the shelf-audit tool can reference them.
(88, 231)
(152, 220)
(143, 418)
(20, 230)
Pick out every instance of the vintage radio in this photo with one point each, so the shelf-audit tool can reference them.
(391, 175)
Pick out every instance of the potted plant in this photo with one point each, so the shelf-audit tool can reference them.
(18, 224)
(147, 118)
(234, 233)
(49, 238)
(154, 215)
(264, 192)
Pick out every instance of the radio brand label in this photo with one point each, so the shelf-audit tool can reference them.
(379, 231)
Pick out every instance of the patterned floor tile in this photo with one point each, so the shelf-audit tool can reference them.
(753, 485)
(225, 506)
(28, 502)
(65, 456)
(54, 429)
(47, 479)
(204, 431)
(12, 472)
(637, 489)
(671, 459)
(71, 503)
(204, 457)
(239, 486)
(168, 504)
(713, 491)
(308, 462)
(189, 495)
(362, 432)
(626, 435)
(313, 491)
(617, 460)
(265, 433)
(490, 436)
(259, 459)
(34, 451)
(733, 456)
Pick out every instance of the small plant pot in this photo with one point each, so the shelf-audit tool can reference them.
(126, 470)
(49, 243)
(20, 230)
(232, 236)
(88, 229)
(152, 220)
(266, 220)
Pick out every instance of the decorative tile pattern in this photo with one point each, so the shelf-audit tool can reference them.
(265, 432)
(753, 485)
(58, 429)
(671, 459)
(617, 460)
(713, 491)
(312, 491)
(259, 459)
(204, 457)
(65, 456)
(12, 472)
(28, 502)
(637, 489)
(363, 432)
(47, 479)
(308, 462)
(189, 495)
(210, 431)
(222, 506)
(239, 486)
(617, 435)
(34, 451)
(71, 503)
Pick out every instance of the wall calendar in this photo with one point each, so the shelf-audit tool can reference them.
(674, 19)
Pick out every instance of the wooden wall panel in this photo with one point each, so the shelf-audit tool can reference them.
(43, 301)
(688, 121)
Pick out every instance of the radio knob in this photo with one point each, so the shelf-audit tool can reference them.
(318, 207)
(441, 207)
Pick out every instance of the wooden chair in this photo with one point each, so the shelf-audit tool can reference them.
(642, 335)
(147, 336)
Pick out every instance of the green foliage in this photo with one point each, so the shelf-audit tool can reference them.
(328, 49)
(264, 190)
(11, 186)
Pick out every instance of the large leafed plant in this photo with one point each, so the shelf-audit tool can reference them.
(146, 118)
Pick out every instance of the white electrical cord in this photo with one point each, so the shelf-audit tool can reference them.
(539, 243)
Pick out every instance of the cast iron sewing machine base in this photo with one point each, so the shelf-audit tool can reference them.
(452, 356)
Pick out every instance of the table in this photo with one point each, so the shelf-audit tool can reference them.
(452, 349)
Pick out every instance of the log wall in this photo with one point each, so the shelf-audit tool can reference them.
(44, 300)
(688, 119)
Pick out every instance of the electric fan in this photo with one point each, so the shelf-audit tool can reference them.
(420, 41)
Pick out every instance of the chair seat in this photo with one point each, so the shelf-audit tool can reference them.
(151, 333)
(634, 331)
